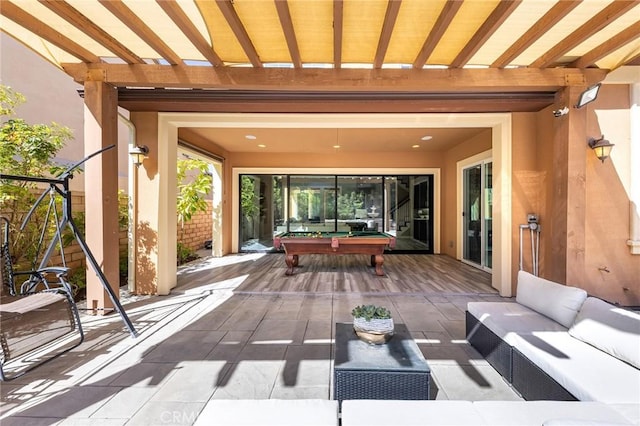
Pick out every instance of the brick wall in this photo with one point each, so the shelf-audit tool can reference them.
(197, 230)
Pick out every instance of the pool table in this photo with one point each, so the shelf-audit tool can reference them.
(362, 242)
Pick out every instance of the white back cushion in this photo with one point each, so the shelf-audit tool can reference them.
(556, 301)
(609, 328)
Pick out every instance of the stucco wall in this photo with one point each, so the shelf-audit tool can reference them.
(607, 203)
(449, 209)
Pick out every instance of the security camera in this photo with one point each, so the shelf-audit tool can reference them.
(561, 112)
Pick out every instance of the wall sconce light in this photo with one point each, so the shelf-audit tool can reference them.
(601, 147)
(588, 95)
(138, 154)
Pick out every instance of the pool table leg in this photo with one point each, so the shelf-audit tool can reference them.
(377, 260)
(291, 260)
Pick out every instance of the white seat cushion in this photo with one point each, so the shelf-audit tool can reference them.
(558, 302)
(586, 372)
(505, 319)
(360, 412)
(269, 412)
(610, 329)
(524, 413)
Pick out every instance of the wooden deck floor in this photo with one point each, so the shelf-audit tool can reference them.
(404, 274)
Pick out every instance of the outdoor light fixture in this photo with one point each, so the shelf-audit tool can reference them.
(588, 95)
(601, 147)
(138, 153)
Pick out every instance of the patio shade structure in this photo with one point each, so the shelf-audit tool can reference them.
(352, 44)
(325, 55)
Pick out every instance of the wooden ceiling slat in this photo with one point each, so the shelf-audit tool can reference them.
(436, 80)
(619, 40)
(77, 19)
(493, 22)
(393, 7)
(551, 18)
(230, 14)
(282, 8)
(137, 25)
(589, 28)
(338, 25)
(177, 15)
(444, 19)
(20, 17)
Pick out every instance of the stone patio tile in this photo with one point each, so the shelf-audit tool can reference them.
(316, 308)
(74, 421)
(472, 382)
(193, 381)
(167, 413)
(229, 347)
(31, 421)
(446, 354)
(185, 346)
(306, 365)
(300, 392)
(449, 310)
(456, 328)
(124, 404)
(249, 380)
(319, 331)
(290, 332)
(145, 374)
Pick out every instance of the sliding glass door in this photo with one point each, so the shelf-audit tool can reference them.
(399, 205)
(477, 215)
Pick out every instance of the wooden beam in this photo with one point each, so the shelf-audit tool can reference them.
(486, 30)
(289, 33)
(177, 15)
(592, 26)
(609, 46)
(544, 24)
(362, 80)
(176, 100)
(230, 14)
(39, 28)
(338, 16)
(444, 19)
(84, 24)
(142, 30)
(393, 7)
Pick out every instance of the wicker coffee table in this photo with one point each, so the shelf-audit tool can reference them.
(395, 370)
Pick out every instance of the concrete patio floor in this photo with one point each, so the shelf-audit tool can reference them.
(205, 342)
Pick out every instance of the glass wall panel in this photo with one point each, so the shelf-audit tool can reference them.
(398, 205)
(312, 203)
(262, 207)
(360, 203)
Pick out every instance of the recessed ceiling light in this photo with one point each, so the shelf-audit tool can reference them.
(415, 146)
(426, 138)
(262, 145)
(250, 137)
(336, 146)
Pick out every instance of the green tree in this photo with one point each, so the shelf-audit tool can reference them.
(194, 183)
(249, 203)
(25, 150)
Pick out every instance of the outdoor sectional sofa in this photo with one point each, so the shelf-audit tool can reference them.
(556, 343)
(574, 359)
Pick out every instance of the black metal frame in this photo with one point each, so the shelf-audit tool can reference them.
(529, 380)
(23, 360)
(61, 186)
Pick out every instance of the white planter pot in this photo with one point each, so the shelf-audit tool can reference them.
(375, 331)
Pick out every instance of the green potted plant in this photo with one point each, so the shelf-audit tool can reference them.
(372, 323)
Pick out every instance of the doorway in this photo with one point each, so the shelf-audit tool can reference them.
(477, 217)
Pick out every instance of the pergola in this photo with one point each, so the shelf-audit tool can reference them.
(316, 56)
